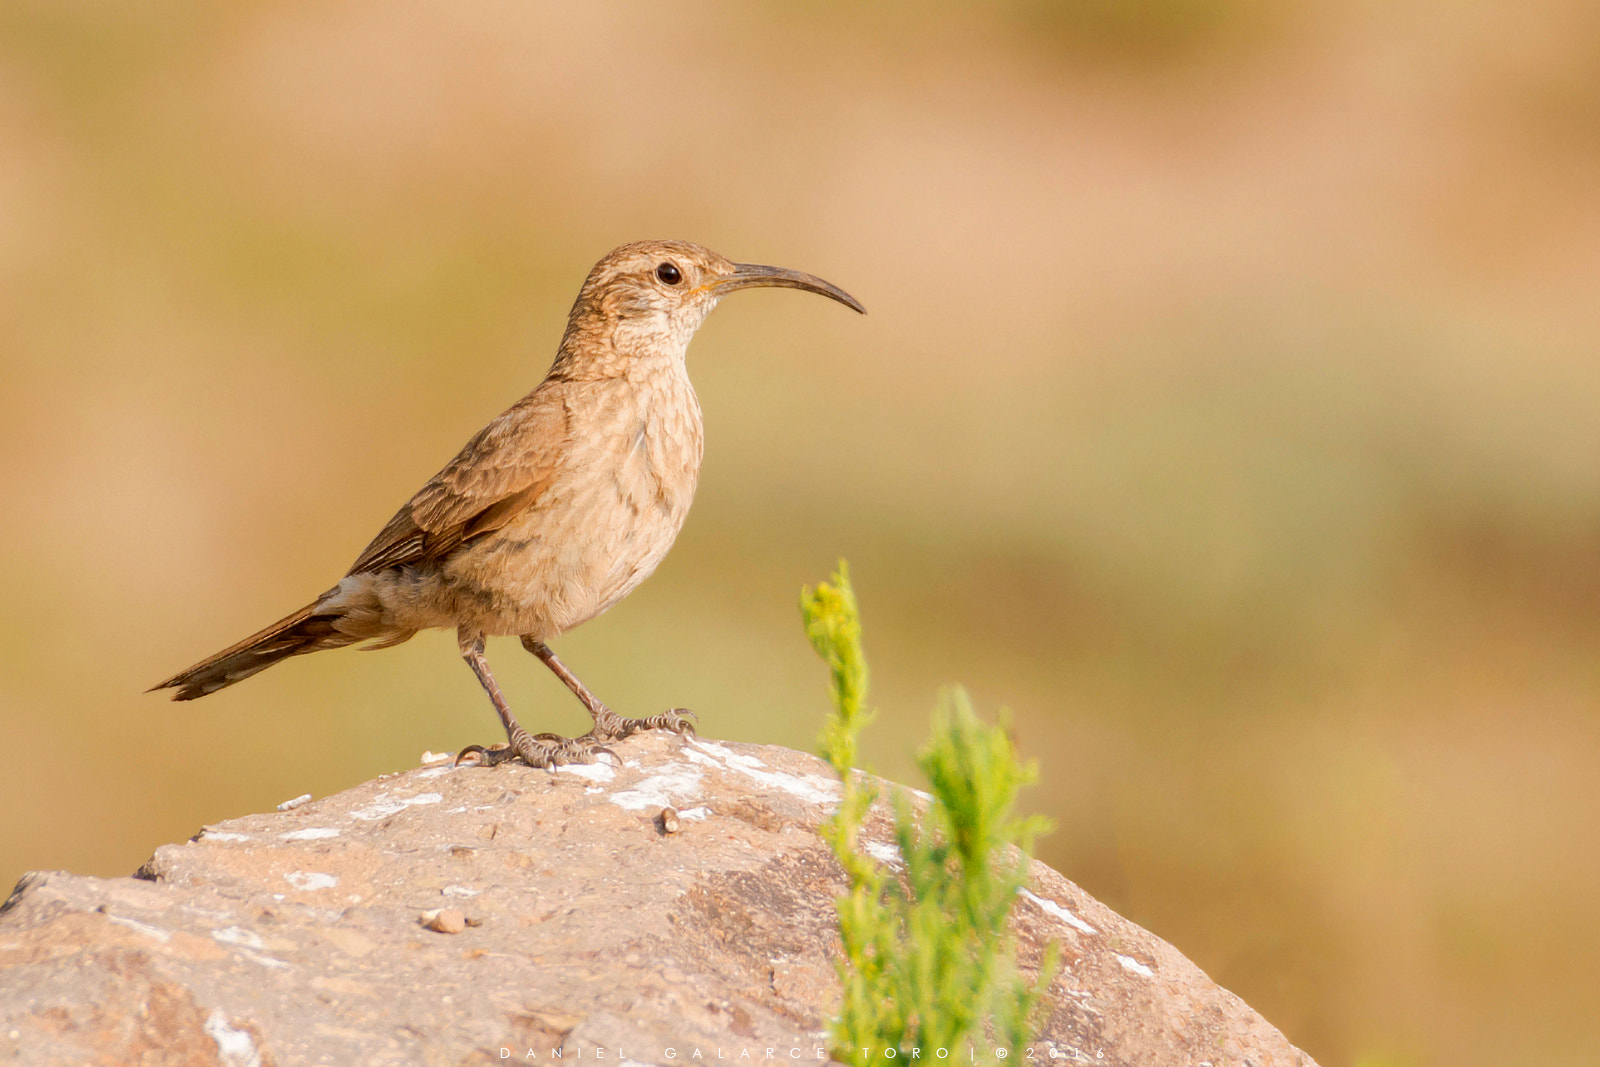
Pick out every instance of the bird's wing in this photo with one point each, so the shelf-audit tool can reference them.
(500, 473)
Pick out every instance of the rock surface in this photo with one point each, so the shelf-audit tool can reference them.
(673, 908)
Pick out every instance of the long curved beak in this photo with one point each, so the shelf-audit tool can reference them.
(752, 275)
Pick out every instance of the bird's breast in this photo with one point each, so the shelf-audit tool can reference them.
(657, 473)
(606, 521)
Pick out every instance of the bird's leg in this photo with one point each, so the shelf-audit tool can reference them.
(543, 750)
(608, 725)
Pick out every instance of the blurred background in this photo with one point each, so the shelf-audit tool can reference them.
(1227, 410)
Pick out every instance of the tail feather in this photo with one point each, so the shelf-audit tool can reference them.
(308, 630)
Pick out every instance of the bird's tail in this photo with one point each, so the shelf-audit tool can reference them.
(312, 628)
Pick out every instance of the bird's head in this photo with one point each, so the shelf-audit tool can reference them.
(650, 297)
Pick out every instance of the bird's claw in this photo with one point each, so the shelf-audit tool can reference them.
(484, 756)
(552, 750)
(547, 751)
(614, 727)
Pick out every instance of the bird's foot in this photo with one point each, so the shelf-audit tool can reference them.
(609, 726)
(553, 750)
(536, 750)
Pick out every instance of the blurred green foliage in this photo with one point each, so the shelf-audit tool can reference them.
(928, 962)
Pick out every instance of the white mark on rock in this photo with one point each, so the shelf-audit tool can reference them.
(265, 961)
(1131, 964)
(595, 772)
(387, 805)
(459, 891)
(696, 814)
(235, 1048)
(290, 805)
(813, 788)
(678, 782)
(726, 754)
(223, 835)
(144, 928)
(310, 833)
(237, 935)
(885, 852)
(311, 880)
(1050, 907)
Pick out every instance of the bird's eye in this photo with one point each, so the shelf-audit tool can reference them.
(669, 273)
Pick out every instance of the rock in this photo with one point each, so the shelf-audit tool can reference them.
(445, 920)
(579, 921)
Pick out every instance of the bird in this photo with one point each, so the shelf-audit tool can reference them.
(550, 514)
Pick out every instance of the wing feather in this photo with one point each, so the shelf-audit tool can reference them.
(498, 475)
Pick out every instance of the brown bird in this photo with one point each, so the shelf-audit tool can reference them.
(554, 511)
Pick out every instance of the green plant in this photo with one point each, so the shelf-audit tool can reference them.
(927, 963)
